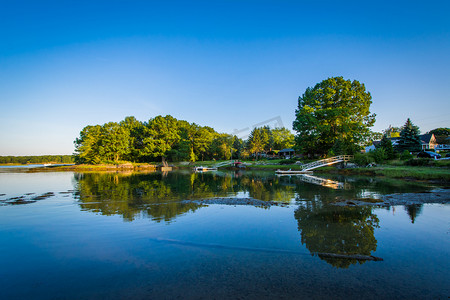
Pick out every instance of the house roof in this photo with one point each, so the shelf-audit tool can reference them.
(426, 138)
(286, 150)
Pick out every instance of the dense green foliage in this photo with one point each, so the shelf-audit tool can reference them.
(36, 159)
(440, 131)
(386, 145)
(166, 138)
(409, 138)
(378, 156)
(158, 139)
(265, 140)
(405, 155)
(333, 115)
(282, 138)
(260, 140)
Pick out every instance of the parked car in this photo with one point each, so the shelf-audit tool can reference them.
(428, 154)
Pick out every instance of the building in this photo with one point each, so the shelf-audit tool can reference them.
(286, 153)
(428, 141)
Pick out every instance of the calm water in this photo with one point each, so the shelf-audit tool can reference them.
(134, 236)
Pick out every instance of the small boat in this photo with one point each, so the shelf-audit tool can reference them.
(204, 169)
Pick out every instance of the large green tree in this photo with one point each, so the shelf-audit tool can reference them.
(114, 142)
(335, 113)
(282, 138)
(222, 146)
(259, 140)
(87, 145)
(161, 134)
(136, 130)
(440, 131)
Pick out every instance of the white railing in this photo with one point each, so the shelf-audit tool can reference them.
(224, 163)
(321, 181)
(326, 162)
(442, 147)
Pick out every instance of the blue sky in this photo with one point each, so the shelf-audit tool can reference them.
(225, 64)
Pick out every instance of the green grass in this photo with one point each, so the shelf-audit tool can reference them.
(425, 162)
(422, 173)
(393, 171)
(436, 170)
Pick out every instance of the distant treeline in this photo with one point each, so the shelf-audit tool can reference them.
(166, 138)
(36, 159)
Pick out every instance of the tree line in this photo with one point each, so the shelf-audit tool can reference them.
(332, 118)
(164, 138)
(36, 159)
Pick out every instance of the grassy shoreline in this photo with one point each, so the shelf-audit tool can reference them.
(393, 171)
(405, 172)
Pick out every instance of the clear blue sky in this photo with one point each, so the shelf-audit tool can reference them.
(225, 64)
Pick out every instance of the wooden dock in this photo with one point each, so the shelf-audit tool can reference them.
(291, 172)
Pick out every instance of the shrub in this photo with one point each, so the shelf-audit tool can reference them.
(362, 159)
(379, 155)
(420, 162)
(406, 155)
(288, 161)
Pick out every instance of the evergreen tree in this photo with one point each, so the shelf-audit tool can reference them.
(237, 147)
(87, 145)
(409, 138)
(257, 141)
(386, 144)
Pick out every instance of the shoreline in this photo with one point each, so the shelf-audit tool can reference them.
(415, 173)
(435, 196)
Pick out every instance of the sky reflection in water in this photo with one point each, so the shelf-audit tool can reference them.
(133, 235)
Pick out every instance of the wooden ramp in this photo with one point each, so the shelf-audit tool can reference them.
(224, 163)
(307, 168)
(322, 181)
(326, 162)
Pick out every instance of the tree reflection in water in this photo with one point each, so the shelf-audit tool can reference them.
(324, 228)
(339, 230)
(413, 211)
(161, 196)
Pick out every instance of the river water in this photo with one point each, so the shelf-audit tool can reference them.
(187, 235)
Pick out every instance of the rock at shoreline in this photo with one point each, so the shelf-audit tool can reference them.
(441, 196)
(237, 201)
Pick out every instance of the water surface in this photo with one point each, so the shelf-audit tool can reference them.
(141, 236)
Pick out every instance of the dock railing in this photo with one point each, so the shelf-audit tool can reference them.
(326, 162)
(224, 163)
